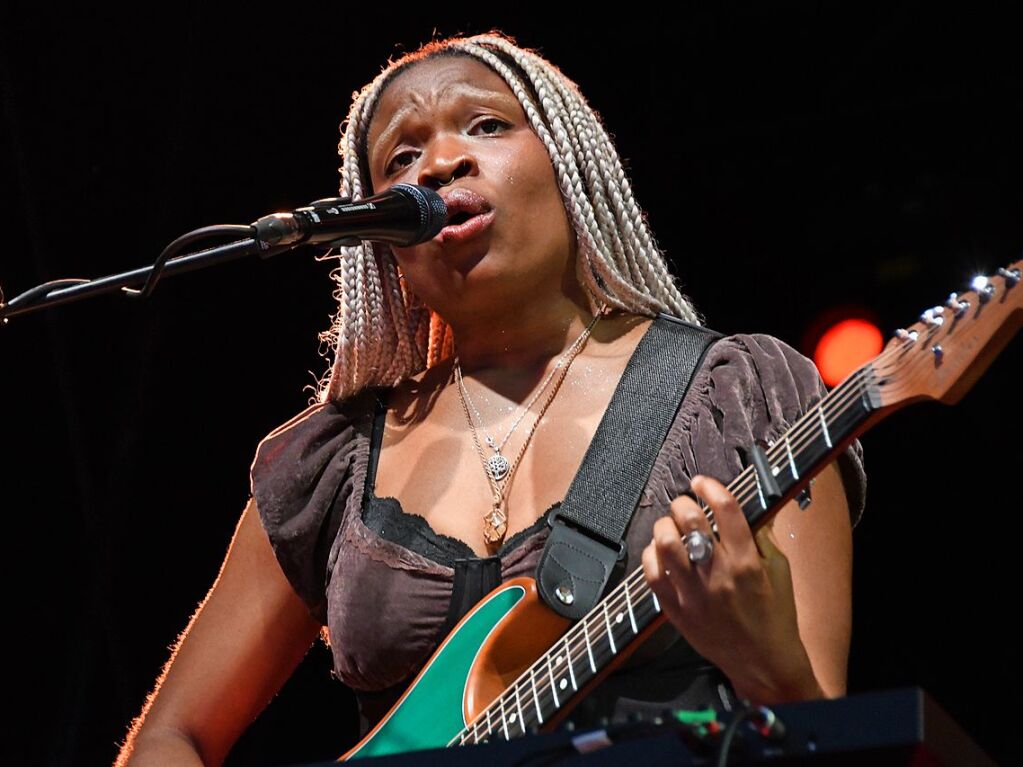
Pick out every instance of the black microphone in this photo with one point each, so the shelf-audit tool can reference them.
(403, 215)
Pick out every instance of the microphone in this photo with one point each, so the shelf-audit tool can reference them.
(403, 215)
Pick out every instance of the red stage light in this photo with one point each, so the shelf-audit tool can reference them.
(844, 347)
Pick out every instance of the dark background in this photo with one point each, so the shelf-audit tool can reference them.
(793, 158)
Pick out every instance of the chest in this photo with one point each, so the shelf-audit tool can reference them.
(434, 467)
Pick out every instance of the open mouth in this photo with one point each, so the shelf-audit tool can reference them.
(469, 214)
(464, 225)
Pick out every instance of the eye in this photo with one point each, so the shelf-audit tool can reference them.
(489, 124)
(399, 161)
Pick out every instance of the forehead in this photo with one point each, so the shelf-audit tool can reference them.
(429, 84)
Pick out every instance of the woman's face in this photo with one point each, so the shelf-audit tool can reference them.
(453, 118)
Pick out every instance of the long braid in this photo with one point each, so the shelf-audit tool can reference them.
(627, 256)
(382, 333)
(575, 187)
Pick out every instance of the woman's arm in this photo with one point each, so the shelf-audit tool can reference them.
(242, 644)
(773, 611)
(817, 542)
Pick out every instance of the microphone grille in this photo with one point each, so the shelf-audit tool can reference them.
(433, 213)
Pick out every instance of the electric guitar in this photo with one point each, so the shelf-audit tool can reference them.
(512, 665)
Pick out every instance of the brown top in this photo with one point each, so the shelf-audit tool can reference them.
(383, 589)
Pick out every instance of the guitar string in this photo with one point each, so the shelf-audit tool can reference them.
(844, 395)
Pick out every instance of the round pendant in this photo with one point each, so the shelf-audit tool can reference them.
(497, 467)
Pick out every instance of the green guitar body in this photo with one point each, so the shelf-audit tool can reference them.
(432, 711)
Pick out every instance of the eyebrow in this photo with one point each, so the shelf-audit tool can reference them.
(463, 91)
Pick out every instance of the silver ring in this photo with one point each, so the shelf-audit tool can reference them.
(699, 546)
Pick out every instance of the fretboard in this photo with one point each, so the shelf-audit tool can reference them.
(610, 629)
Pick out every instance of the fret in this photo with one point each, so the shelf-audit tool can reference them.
(518, 705)
(792, 460)
(760, 490)
(554, 685)
(628, 603)
(610, 634)
(504, 717)
(571, 671)
(589, 649)
(476, 731)
(536, 698)
(824, 424)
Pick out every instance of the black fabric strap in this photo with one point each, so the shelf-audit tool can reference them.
(587, 531)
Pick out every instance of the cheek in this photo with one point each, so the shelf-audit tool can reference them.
(537, 172)
(530, 174)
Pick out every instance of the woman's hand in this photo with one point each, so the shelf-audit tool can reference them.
(737, 609)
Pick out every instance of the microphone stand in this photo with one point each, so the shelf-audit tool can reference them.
(268, 237)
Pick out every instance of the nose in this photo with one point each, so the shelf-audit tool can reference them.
(448, 159)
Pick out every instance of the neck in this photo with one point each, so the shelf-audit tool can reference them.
(529, 336)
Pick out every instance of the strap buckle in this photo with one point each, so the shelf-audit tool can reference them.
(575, 568)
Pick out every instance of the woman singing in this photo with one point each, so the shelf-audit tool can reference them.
(469, 375)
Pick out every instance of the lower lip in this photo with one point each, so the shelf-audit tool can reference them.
(467, 229)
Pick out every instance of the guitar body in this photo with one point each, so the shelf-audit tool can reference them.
(489, 648)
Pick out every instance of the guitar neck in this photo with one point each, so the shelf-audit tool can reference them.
(626, 616)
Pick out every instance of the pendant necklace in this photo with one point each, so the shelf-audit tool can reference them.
(497, 467)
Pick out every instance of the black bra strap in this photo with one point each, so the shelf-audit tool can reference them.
(376, 438)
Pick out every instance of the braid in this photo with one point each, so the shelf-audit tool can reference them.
(382, 332)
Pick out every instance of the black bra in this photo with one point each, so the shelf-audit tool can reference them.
(387, 518)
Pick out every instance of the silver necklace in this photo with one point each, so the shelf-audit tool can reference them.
(497, 466)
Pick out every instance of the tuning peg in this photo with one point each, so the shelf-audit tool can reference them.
(983, 288)
(906, 335)
(932, 316)
(1011, 276)
(958, 307)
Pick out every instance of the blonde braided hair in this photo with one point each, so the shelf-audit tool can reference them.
(382, 332)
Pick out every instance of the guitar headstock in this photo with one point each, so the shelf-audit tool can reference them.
(949, 348)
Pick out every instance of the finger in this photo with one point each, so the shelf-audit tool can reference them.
(668, 543)
(767, 544)
(733, 529)
(660, 583)
(689, 515)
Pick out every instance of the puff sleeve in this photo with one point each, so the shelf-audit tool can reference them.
(755, 386)
(302, 478)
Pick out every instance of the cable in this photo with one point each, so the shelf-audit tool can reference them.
(186, 239)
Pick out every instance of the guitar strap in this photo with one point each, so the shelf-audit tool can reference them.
(587, 531)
